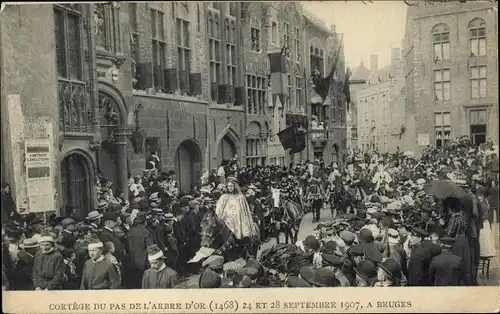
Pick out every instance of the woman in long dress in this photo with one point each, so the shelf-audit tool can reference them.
(486, 240)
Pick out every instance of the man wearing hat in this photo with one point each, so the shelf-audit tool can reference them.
(335, 263)
(366, 274)
(108, 234)
(94, 218)
(422, 252)
(209, 280)
(99, 273)
(159, 276)
(48, 265)
(446, 269)
(23, 271)
(139, 238)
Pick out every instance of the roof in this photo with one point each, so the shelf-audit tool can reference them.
(316, 21)
(360, 73)
(384, 74)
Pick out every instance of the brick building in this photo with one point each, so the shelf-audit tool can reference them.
(451, 62)
(188, 80)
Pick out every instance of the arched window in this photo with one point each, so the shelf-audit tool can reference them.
(441, 42)
(477, 37)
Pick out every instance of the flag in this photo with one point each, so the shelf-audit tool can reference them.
(299, 143)
(287, 136)
(347, 91)
(278, 77)
(322, 84)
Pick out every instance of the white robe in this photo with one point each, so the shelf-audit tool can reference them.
(233, 209)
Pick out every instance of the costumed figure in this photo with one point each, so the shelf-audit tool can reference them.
(382, 177)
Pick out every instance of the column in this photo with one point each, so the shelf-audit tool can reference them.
(121, 136)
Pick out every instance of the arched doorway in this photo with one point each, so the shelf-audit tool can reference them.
(227, 149)
(77, 184)
(188, 165)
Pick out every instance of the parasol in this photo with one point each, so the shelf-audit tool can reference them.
(443, 189)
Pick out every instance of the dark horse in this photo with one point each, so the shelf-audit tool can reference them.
(216, 235)
(287, 219)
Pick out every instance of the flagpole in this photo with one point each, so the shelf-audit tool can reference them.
(307, 114)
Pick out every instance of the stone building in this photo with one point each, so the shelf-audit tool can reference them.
(451, 61)
(378, 104)
(357, 81)
(321, 45)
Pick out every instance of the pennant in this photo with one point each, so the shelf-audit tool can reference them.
(322, 84)
(299, 143)
(347, 91)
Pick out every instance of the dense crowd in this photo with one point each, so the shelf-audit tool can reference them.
(396, 220)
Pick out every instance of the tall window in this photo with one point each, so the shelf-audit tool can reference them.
(442, 84)
(233, 8)
(256, 91)
(159, 49)
(478, 126)
(254, 153)
(231, 57)
(317, 59)
(442, 124)
(298, 93)
(255, 37)
(341, 114)
(477, 33)
(478, 82)
(297, 43)
(68, 42)
(441, 42)
(286, 34)
(183, 54)
(214, 46)
(274, 32)
(134, 38)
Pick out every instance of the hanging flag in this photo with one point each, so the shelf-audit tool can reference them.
(278, 77)
(287, 136)
(347, 91)
(299, 143)
(322, 84)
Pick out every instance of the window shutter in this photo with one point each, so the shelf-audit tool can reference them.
(214, 92)
(195, 79)
(144, 76)
(239, 96)
(184, 81)
(157, 76)
(222, 94)
(171, 80)
(230, 94)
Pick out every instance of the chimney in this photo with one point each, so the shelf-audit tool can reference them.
(395, 55)
(374, 62)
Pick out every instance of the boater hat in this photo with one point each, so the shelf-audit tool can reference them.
(95, 243)
(154, 253)
(29, 243)
(46, 237)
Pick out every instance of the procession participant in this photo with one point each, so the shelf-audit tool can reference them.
(108, 234)
(159, 275)
(99, 273)
(316, 195)
(23, 271)
(48, 265)
(446, 269)
(233, 209)
(139, 238)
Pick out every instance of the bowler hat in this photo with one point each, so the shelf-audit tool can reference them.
(311, 242)
(112, 216)
(296, 282)
(209, 279)
(392, 268)
(332, 260)
(367, 271)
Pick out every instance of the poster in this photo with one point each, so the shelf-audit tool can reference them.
(423, 139)
(39, 175)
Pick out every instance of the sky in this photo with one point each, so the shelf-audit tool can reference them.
(368, 29)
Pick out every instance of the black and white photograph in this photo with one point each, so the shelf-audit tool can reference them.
(229, 145)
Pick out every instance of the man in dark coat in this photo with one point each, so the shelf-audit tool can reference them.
(446, 269)
(470, 208)
(107, 234)
(48, 265)
(23, 271)
(8, 203)
(420, 258)
(139, 237)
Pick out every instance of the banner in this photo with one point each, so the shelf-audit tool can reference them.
(39, 175)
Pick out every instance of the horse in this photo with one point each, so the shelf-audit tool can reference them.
(216, 235)
(287, 219)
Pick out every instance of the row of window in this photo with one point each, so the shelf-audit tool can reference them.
(477, 124)
(477, 78)
(441, 40)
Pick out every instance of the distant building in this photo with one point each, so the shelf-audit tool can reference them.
(378, 102)
(357, 81)
(450, 53)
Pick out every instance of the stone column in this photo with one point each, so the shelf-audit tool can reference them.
(121, 136)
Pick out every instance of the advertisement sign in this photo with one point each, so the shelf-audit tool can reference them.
(423, 139)
(39, 175)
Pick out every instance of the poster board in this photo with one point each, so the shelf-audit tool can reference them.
(39, 183)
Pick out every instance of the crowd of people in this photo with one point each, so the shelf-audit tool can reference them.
(396, 220)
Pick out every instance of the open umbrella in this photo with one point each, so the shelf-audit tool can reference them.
(442, 189)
